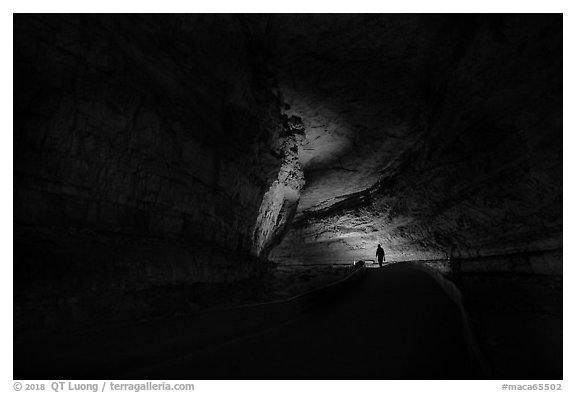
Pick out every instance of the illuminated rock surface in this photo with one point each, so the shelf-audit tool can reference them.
(162, 160)
(435, 144)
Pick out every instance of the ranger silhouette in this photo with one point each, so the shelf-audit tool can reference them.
(380, 255)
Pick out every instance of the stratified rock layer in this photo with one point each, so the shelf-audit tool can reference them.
(154, 152)
(281, 200)
(144, 146)
(435, 136)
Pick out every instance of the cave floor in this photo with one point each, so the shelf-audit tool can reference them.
(397, 323)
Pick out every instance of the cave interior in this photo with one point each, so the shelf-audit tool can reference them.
(170, 165)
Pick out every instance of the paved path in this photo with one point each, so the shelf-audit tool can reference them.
(397, 324)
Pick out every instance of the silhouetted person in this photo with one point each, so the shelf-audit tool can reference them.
(380, 255)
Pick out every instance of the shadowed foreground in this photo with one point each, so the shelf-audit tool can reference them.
(396, 323)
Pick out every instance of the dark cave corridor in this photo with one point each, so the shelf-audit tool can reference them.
(171, 166)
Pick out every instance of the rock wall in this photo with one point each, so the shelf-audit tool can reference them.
(144, 146)
(154, 151)
(543, 262)
(281, 200)
(464, 124)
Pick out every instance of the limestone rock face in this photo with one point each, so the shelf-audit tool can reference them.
(434, 136)
(281, 200)
(144, 146)
(163, 151)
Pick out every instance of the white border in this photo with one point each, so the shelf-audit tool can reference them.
(191, 6)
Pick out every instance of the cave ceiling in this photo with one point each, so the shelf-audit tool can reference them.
(427, 133)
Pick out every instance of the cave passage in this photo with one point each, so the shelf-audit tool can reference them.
(179, 177)
(394, 323)
(398, 324)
